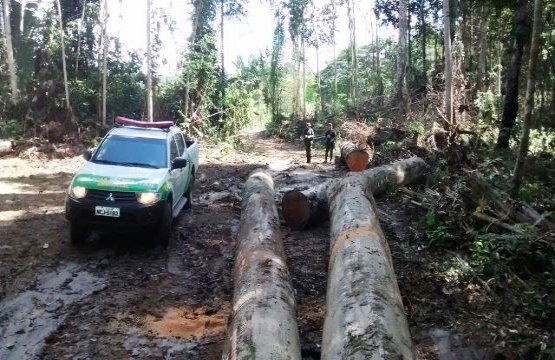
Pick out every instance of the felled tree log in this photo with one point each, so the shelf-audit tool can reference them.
(303, 208)
(263, 324)
(365, 317)
(6, 146)
(355, 157)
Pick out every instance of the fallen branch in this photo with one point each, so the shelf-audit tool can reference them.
(493, 221)
(502, 204)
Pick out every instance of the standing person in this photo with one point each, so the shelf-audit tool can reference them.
(308, 137)
(330, 141)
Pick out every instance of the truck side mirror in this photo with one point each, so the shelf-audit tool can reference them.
(179, 163)
(87, 154)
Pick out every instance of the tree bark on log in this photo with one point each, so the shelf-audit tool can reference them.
(263, 324)
(365, 318)
(355, 157)
(307, 207)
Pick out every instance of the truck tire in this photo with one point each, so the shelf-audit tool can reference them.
(77, 233)
(189, 193)
(163, 233)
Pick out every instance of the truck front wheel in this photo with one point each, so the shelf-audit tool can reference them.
(77, 233)
(163, 233)
(189, 193)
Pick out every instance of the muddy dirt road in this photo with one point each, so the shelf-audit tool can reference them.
(118, 296)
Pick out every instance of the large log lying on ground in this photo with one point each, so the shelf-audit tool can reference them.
(365, 317)
(303, 208)
(355, 157)
(263, 324)
(6, 146)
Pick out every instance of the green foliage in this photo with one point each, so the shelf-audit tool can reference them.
(10, 129)
(487, 104)
(415, 128)
(438, 232)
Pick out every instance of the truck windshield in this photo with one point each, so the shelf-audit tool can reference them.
(132, 151)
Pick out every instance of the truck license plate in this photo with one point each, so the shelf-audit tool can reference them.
(106, 211)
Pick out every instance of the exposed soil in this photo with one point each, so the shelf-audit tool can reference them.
(120, 297)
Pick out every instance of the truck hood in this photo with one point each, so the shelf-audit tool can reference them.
(120, 178)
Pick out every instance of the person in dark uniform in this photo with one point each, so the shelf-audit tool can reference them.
(308, 137)
(330, 141)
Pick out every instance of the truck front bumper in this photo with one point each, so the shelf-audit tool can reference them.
(132, 215)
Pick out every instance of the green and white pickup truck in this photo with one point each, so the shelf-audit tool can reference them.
(139, 177)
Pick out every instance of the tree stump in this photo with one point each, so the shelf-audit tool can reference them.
(263, 324)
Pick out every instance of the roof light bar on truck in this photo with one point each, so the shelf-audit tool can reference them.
(143, 124)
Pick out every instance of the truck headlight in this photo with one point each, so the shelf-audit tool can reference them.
(77, 192)
(148, 198)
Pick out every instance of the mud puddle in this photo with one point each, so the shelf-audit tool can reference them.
(27, 320)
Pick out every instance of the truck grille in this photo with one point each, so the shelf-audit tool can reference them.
(119, 196)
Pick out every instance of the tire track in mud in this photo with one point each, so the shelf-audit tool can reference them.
(27, 320)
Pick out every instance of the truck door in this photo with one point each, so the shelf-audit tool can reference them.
(176, 175)
(182, 148)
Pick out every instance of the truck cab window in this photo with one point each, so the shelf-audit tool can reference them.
(180, 143)
(174, 152)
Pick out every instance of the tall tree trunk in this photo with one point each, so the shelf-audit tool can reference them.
(422, 19)
(483, 43)
(303, 90)
(296, 97)
(149, 96)
(510, 109)
(401, 91)
(79, 32)
(12, 69)
(409, 41)
(104, 59)
(66, 84)
(529, 104)
(354, 59)
(334, 97)
(465, 26)
(197, 15)
(318, 80)
(22, 19)
(379, 85)
(448, 62)
(222, 74)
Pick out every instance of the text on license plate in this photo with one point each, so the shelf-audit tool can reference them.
(106, 211)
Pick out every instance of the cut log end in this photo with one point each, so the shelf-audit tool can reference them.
(357, 160)
(295, 209)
